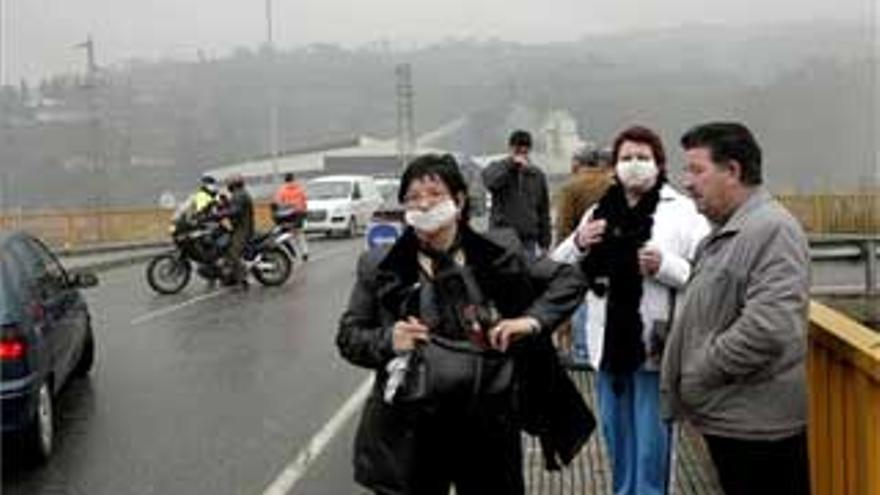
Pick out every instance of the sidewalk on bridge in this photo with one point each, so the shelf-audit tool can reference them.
(590, 472)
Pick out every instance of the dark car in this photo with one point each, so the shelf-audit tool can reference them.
(45, 339)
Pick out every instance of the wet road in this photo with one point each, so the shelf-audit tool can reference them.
(207, 392)
(215, 392)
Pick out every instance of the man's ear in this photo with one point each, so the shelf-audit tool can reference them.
(736, 169)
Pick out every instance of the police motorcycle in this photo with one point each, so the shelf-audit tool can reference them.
(202, 243)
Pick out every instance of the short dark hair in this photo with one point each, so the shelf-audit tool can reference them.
(728, 141)
(520, 137)
(441, 167)
(642, 135)
(289, 177)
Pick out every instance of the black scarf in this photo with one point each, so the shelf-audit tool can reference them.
(612, 270)
(451, 302)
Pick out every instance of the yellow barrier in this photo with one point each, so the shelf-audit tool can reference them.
(71, 228)
(836, 213)
(850, 213)
(844, 426)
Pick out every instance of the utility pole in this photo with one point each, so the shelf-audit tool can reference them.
(2, 43)
(273, 95)
(96, 159)
(405, 127)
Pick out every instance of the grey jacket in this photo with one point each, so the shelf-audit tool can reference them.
(734, 365)
(519, 200)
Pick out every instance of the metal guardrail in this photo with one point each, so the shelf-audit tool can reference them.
(850, 246)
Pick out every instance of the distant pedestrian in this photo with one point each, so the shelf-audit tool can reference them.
(292, 196)
(592, 174)
(735, 362)
(519, 195)
(240, 211)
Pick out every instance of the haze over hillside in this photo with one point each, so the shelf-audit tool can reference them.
(809, 90)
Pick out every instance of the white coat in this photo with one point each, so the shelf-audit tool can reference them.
(678, 229)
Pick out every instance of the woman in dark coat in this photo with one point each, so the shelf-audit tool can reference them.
(442, 316)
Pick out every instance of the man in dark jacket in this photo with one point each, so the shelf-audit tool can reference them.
(519, 195)
(435, 317)
(241, 216)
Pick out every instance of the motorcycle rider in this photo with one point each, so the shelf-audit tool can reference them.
(201, 203)
(240, 213)
(291, 201)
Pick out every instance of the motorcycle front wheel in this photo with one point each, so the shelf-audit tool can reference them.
(168, 273)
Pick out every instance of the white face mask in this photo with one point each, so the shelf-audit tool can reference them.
(437, 217)
(637, 173)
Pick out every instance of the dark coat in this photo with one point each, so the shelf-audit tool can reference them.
(520, 200)
(241, 213)
(548, 403)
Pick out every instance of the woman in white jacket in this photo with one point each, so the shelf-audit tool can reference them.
(635, 246)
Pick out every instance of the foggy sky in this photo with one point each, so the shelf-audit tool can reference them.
(38, 35)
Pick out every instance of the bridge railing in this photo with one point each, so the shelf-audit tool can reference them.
(828, 213)
(82, 227)
(844, 404)
(836, 213)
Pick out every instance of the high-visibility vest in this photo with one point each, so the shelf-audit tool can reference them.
(202, 200)
(291, 195)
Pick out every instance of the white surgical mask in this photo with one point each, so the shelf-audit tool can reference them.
(637, 173)
(434, 219)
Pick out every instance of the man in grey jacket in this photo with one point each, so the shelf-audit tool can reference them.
(734, 365)
(519, 195)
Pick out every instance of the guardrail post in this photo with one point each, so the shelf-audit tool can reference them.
(870, 251)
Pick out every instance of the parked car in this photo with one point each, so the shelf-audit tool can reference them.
(45, 339)
(341, 204)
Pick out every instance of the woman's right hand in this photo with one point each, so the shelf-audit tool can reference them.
(589, 233)
(407, 333)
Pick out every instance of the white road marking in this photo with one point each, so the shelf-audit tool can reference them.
(294, 471)
(174, 307)
(152, 315)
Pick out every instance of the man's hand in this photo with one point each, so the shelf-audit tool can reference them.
(520, 160)
(508, 331)
(406, 334)
(650, 260)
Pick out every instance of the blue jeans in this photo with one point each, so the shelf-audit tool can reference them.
(580, 353)
(638, 440)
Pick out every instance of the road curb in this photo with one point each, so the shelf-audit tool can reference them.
(106, 265)
(110, 248)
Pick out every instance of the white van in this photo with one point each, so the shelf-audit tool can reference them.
(341, 204)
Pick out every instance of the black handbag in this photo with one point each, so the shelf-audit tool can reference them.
(444, 368)
(456, 361)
